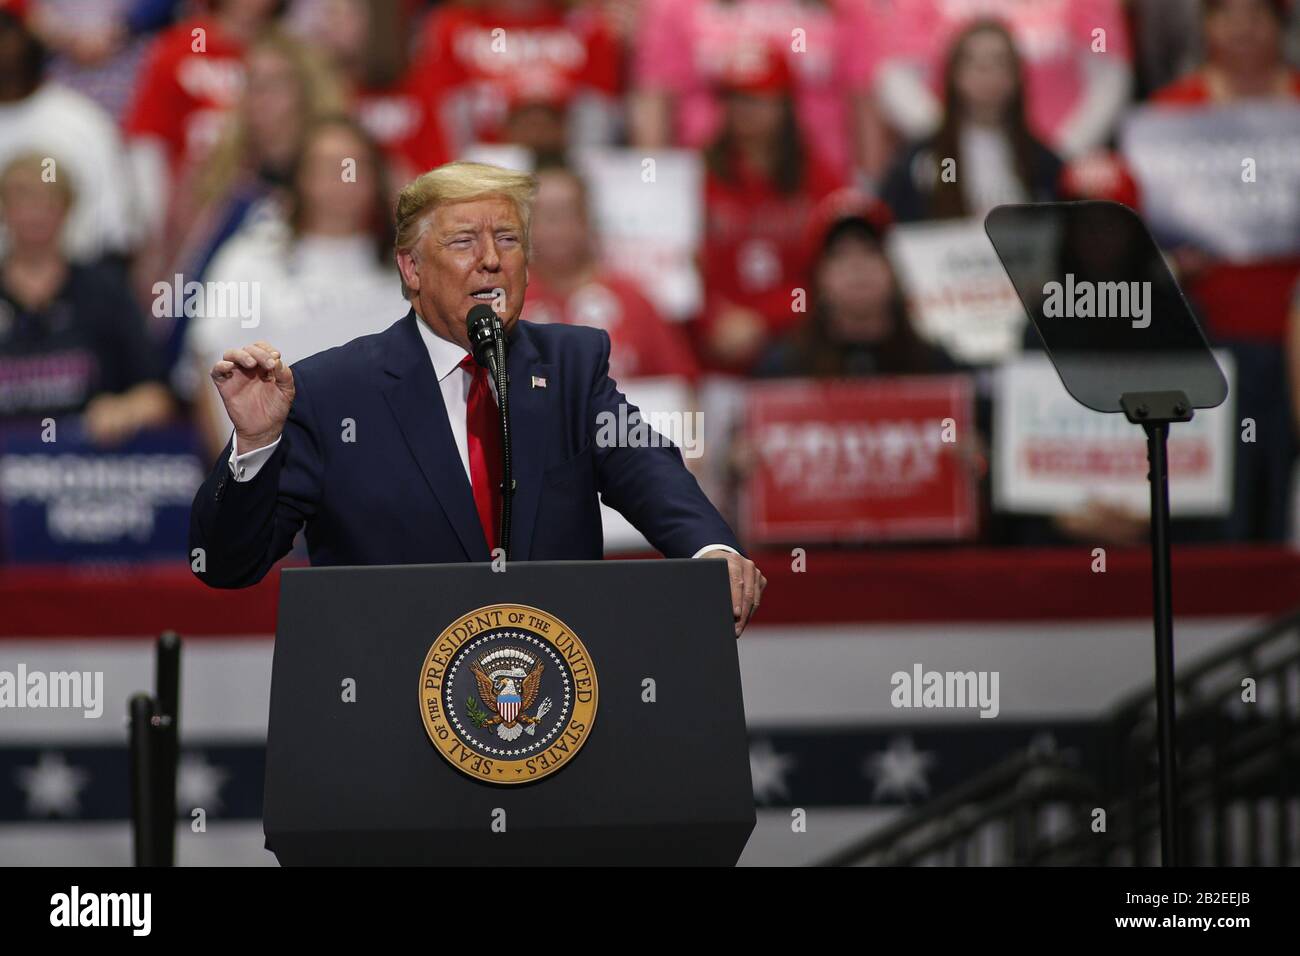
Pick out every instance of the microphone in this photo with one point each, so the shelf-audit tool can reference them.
(484, 328)
(487, 341)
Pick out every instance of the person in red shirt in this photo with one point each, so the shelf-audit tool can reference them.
(537, 115)
(1245, 305)
(367, 41)
(472, 53)
(566, 283)
(761, 185)
(1243, 40)
(192, 75)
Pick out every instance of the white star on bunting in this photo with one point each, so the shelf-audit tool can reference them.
(899, 770)
(52, 786)
(768, 769)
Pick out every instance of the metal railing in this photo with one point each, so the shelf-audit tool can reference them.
(1239, 767)
(1016, 813)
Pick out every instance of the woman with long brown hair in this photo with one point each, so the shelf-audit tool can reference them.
(289, 86)
(318, 277)
(983, 154)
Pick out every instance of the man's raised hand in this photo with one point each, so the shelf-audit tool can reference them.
(257, 389)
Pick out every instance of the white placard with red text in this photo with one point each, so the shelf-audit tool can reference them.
(957, 290)
(1051, 454)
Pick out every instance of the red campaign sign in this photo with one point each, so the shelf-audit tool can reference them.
(863, 461)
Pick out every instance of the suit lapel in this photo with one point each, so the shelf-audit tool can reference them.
(416, 402)
(530, 413)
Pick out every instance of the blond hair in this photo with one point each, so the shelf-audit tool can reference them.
(321, 92)
(460, 181)
(38, 165)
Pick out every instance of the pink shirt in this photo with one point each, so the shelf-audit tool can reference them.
(682, 45)
(1054, 36)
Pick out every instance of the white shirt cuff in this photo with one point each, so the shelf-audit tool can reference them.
(714, 547)
(246, 466)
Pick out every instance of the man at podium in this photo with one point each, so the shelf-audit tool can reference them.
(388, 449)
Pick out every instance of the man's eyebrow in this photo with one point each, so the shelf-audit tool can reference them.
(458, 228)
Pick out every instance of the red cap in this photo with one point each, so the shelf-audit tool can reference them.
(841, 205)
(761, 68)
(15, 8)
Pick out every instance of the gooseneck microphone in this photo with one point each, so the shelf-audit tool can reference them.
(487, 340)
(483, 327)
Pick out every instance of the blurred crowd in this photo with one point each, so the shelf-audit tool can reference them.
(201, 141)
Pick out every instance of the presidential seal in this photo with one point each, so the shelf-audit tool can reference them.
(508, 694)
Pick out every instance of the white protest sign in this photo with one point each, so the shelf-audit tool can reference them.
(958, 292)
(1051, 454)
(648, 212)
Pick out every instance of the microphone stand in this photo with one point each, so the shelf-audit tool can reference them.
(488, 345)
(503, 405)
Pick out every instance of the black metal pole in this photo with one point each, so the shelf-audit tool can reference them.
(167, 730)
(1162, 594)
(144, 830)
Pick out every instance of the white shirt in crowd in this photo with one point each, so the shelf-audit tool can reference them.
(60, 124)
(989, 170)
(301, 296)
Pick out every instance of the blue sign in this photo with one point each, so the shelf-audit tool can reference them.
(65, 499)
(1226, 180)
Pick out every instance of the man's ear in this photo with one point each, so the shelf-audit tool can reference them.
(409, 268)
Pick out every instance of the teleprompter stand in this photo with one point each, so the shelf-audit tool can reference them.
(1122, 338)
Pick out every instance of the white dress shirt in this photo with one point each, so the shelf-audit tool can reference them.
(452, 380)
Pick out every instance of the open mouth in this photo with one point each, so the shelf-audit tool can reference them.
(485, 294)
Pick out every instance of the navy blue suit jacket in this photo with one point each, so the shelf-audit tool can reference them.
(398, 494)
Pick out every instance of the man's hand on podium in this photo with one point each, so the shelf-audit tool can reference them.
(747, 583)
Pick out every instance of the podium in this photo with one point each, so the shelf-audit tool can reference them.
(571, 712)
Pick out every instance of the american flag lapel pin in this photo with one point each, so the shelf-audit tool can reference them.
(539, 381)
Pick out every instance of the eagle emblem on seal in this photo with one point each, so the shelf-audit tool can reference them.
(508, 680)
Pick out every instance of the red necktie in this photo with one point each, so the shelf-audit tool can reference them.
(483, 434)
